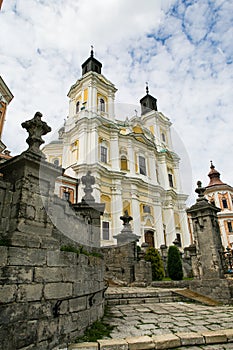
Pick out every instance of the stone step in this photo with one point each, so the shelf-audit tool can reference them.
(126, 295)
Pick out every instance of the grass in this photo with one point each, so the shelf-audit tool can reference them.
(98, 330)
(184, 279)
(81, 250)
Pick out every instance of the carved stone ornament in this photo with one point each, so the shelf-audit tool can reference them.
(88, 180)
(36, 128)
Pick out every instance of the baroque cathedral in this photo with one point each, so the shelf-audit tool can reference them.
(132, 160)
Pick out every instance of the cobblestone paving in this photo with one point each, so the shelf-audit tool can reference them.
(173, 317)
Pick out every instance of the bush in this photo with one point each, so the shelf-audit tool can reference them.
(154, 257)
(174, 264)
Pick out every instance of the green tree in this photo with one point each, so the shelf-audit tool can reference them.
(174, 264)
(154, 257)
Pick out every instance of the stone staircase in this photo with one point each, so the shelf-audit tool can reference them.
(136, 295)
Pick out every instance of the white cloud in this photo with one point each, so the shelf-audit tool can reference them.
(184, 50)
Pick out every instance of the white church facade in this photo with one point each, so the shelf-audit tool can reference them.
(132, 160)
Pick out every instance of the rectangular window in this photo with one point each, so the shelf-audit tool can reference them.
(105, 230)
(66, 196)
(103, 154)
(170, 179)
(224, 203)
(229, 225)
(146, 209)
(142, 165)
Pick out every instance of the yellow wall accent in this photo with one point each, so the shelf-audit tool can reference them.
(136, 164)
(85, 95)
(124, 163)
(177, 219)
(123, 131)
(137, 129)
(152, 129)
(148, 223)
(127, 206)
(107, 200)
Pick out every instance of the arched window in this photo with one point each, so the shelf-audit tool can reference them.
(124, 163)
(102, 105)
(163, 137)
(77, 107)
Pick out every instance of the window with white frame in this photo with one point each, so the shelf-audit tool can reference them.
(142, 165)
(170, 180)
(103, 154)
(102, 105)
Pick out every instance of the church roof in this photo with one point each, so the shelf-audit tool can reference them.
(214, 176)
(91, 64)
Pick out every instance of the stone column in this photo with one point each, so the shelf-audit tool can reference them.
(206, 236)
(208, 268)
(126, 235)
(33, 180)
(90, 210)
(158, 223)
(136, 210)
(114, 151)
(116, 206)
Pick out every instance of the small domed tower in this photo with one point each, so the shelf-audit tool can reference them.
(221, 195)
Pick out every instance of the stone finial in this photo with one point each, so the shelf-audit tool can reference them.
(126, 218)
(88, 180)
(36, 128)
(200, 190)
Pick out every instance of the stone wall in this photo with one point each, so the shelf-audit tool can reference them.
(47, 296)
(122, 265)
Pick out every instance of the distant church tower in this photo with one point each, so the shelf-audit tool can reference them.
(221, 195)
(132, 161)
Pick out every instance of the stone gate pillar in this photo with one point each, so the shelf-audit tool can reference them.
(33, 181)
(209, 276)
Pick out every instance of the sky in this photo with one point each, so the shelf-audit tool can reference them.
(183, 49)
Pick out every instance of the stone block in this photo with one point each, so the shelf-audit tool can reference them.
(47, 329)
(113, 344)
(78, 304)
(26, 256)
(190, 338)
(166, 341)
(229, 334)
(84, 346)
(57, 290)
(40, 309)
(214, 337)
(30, 292)
(59, 258)
(3, 256)
(7, 293)
(67, 324)
(16, 274)
(12, 313)
(140, 343)
(48, 274)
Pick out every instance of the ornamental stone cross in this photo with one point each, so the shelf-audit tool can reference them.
(36, 128)
(88, 180)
